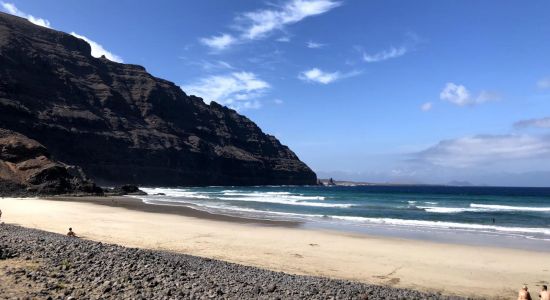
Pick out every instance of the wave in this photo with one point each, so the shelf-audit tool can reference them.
(444, 210)
(508, 208)
(483, 208)
(444, 225)
(175, 193)
(287, 201)
(284, 195)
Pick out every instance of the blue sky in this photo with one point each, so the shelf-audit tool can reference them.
(384, 91)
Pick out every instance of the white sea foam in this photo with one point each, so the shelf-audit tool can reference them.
(284, 195)
(287, 201)
(509, 208)
(483, 208)
(446, 225)
(444, 210)
(175, 193)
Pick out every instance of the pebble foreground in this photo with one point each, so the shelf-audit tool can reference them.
(40, 265)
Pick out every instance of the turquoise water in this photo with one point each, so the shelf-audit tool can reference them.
(507, 212)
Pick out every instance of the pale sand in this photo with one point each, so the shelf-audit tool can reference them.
(449, 268)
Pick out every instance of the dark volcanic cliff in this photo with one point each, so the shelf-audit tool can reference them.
(27, 169)
(122, 125)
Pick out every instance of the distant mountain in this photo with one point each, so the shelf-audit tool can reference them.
(460, 183)
(122, 125)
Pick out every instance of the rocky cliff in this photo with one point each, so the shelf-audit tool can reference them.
(122, 125)
(27, 169)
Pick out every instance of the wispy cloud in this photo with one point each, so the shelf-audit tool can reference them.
(544, 83)
(219, 42)
(385, 54)
(207, 65)
(98, 50)
(239, 90)
(12, 9)
(538, 123)
(283, 39)
(314, 45)
(258, 24)
(426, 106)
(318, 76)
(485, 149)
(459, 95)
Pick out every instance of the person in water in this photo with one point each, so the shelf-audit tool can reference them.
(71, 233)
(524, 294)
(544, 295)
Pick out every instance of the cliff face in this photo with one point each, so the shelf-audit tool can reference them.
(122, 125)
(26, 168)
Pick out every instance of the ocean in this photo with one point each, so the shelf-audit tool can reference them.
(502, 216)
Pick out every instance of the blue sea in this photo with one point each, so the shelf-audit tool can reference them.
(501, 216)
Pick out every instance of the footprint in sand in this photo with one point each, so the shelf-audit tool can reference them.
(314, 245)
(394, 281)
(297, 255)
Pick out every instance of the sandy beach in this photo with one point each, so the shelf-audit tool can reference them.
(495, 273)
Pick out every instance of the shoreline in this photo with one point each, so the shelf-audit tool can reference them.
(488, 271)
(134, 203)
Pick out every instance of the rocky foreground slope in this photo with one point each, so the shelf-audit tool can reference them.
(37, 265)
(122, 125)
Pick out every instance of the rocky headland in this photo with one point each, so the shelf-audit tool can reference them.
(122, 125)
(26, 168)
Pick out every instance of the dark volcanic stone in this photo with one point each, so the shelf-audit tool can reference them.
(127, 189)
(122, 125)
(164, 275)
(27, 169)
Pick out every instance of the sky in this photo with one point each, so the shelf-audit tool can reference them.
(378, 91)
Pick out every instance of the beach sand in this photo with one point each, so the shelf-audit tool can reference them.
(494, 273)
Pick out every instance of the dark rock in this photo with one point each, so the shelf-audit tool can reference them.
(122, 125)
(163, 275)
(127, 189)
(26, 168)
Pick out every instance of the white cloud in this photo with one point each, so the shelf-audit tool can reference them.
(384, 55)
(219, 42)
(12, 9)
(426, 106)
(207, 65)
(278, 101)
(539, 123)
(260, 23)
(314, 45)
(239, 90)
(318, 76)
(283, 39)
(485, 149)
(544, 83)
(459, 95)
(98, 50)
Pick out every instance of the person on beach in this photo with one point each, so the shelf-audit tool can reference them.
(71, 233)
(544, 295)
(524, 294)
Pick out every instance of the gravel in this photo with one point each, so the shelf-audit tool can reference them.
(73, 268)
